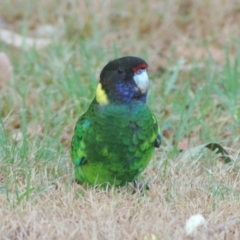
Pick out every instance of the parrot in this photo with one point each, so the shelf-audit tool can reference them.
(115, 138)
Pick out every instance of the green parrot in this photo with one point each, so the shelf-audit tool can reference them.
(114, 139)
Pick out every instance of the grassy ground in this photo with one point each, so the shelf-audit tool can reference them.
(192, 48)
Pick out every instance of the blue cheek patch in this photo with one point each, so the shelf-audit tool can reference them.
(125, 92)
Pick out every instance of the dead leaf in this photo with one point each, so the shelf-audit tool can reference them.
(5, 69)
(215, 147)
(167, 133)
(183, 145)
(23, 42)
(34, 128)
(50, 31)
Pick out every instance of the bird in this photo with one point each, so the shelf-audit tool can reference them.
(115, 138)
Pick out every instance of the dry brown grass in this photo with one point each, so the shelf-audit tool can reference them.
(186, 188)
(152, 27)
(56, 208)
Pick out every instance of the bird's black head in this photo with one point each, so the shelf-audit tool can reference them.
(123, 80)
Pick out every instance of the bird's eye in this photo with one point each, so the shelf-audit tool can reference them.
(120, 70)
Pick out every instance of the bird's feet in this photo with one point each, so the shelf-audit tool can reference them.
(139, 186)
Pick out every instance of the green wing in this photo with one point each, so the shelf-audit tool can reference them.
(158, 141)
(78, 154)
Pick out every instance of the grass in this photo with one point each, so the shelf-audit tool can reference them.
(194, 94)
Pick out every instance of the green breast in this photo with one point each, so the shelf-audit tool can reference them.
(119, 142)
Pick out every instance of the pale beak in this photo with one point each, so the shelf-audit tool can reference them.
(141, 79)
